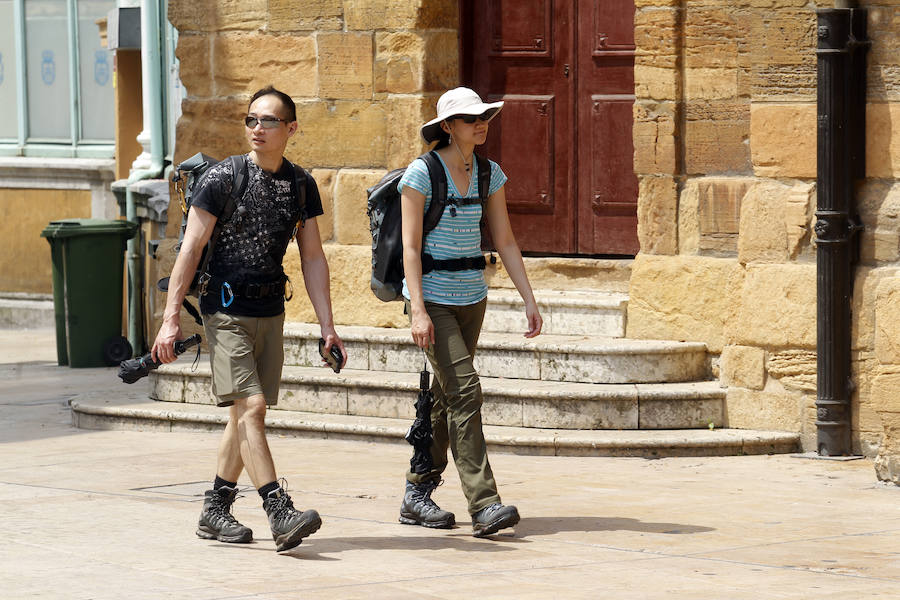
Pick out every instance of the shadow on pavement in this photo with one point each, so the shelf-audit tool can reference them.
(551, 525)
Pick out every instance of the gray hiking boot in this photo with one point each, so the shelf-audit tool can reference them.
(289, 526)
(216, 521)
(419, 509)
(493, 518)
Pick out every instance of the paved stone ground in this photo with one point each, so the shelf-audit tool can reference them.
(111, 514)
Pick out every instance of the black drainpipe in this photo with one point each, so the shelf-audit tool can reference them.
(841, 99)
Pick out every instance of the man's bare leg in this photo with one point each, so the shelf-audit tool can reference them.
(230, 464)
(249, 414)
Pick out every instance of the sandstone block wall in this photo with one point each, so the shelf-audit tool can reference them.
(725, 151)
(365, 74)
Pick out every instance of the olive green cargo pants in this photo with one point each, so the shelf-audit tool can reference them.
(456, 415)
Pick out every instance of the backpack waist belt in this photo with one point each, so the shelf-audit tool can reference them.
(430, 264)
(252, 291)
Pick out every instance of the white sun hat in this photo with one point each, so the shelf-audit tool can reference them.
(458, 101)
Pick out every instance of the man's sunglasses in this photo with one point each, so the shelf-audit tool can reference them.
(267, 122)
(469, 119)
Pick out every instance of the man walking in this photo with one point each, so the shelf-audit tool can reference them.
(243, 309)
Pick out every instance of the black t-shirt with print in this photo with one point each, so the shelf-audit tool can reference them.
(253, 243)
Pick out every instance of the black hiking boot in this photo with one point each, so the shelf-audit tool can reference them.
(289, 526)
(419, 509)
(216, 521)
(493, 518)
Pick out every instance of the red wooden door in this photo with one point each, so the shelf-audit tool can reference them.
(564, 69)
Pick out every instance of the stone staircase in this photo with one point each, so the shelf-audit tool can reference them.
(571, 390)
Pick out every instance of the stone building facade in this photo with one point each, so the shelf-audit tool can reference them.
(725, 152)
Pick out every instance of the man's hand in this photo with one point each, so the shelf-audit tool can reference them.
(163, 350)
(332, 338)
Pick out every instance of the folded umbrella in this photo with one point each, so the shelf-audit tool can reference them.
(420, 434)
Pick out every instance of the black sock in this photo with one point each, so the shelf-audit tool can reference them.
(266, 489)
(219, 482)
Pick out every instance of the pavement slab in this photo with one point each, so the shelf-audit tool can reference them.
(111, 514)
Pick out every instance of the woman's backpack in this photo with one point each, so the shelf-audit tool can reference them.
(385, 224)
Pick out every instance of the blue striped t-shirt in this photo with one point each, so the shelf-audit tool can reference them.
(454, 237)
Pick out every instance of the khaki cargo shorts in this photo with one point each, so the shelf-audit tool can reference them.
(246, 355)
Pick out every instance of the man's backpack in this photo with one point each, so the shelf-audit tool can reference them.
(385, 225)
(187, 178)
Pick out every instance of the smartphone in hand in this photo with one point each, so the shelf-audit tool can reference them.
(333, 357)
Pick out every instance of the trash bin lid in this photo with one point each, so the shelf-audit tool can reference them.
(78, 227)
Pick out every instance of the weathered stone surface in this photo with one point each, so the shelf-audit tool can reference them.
(441, 66)
(719, 212)
(246, 62)
(212, 125)
(887, 330)
(878, 203)
(398, 62)
(339, 134)
(353, 301)
(716, 147)
(885, 392)
(743, 366)
(772, 408)
(654, 33)
(689, 218)
(405, 115)
(217, 15)
(658, 215)
(775, 221)
(345, 65)
(782, 53)
(654, 134)
(710, 83)
(795, 369)
(309, 15)
(863, 308)
(882, 140)
(351, 222)
(400, 14)
(712, 37)
(325, 179)
(655, 83)
(682, 298)
(775, 307)
(783, 140)
(193, 54)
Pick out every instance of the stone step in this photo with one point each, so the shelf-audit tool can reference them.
(573, 358)
(507, 402)
(115, 410)
(26, 311)
(567, 312)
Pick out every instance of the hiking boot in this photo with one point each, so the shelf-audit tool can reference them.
(216, 521)
(419, 509)
(493, 518)
(289, 526)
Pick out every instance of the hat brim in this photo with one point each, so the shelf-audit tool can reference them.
(432, 129)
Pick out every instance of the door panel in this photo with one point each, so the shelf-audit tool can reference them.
(564, 69)
(607, 186)
(518, 50)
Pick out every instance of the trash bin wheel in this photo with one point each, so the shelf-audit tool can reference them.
(116, 349)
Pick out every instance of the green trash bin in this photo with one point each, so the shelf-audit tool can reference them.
(88, 256)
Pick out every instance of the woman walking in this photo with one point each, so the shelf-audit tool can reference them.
(446, 306)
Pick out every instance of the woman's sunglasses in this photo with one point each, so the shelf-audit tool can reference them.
(267, 122)
(469, 119)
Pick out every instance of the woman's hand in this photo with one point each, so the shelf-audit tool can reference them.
(535, 322)
(422, 329)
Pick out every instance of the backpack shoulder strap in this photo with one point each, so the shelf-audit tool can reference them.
(239, 176)
(438, 191)
(300, 188)
(484, 178)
